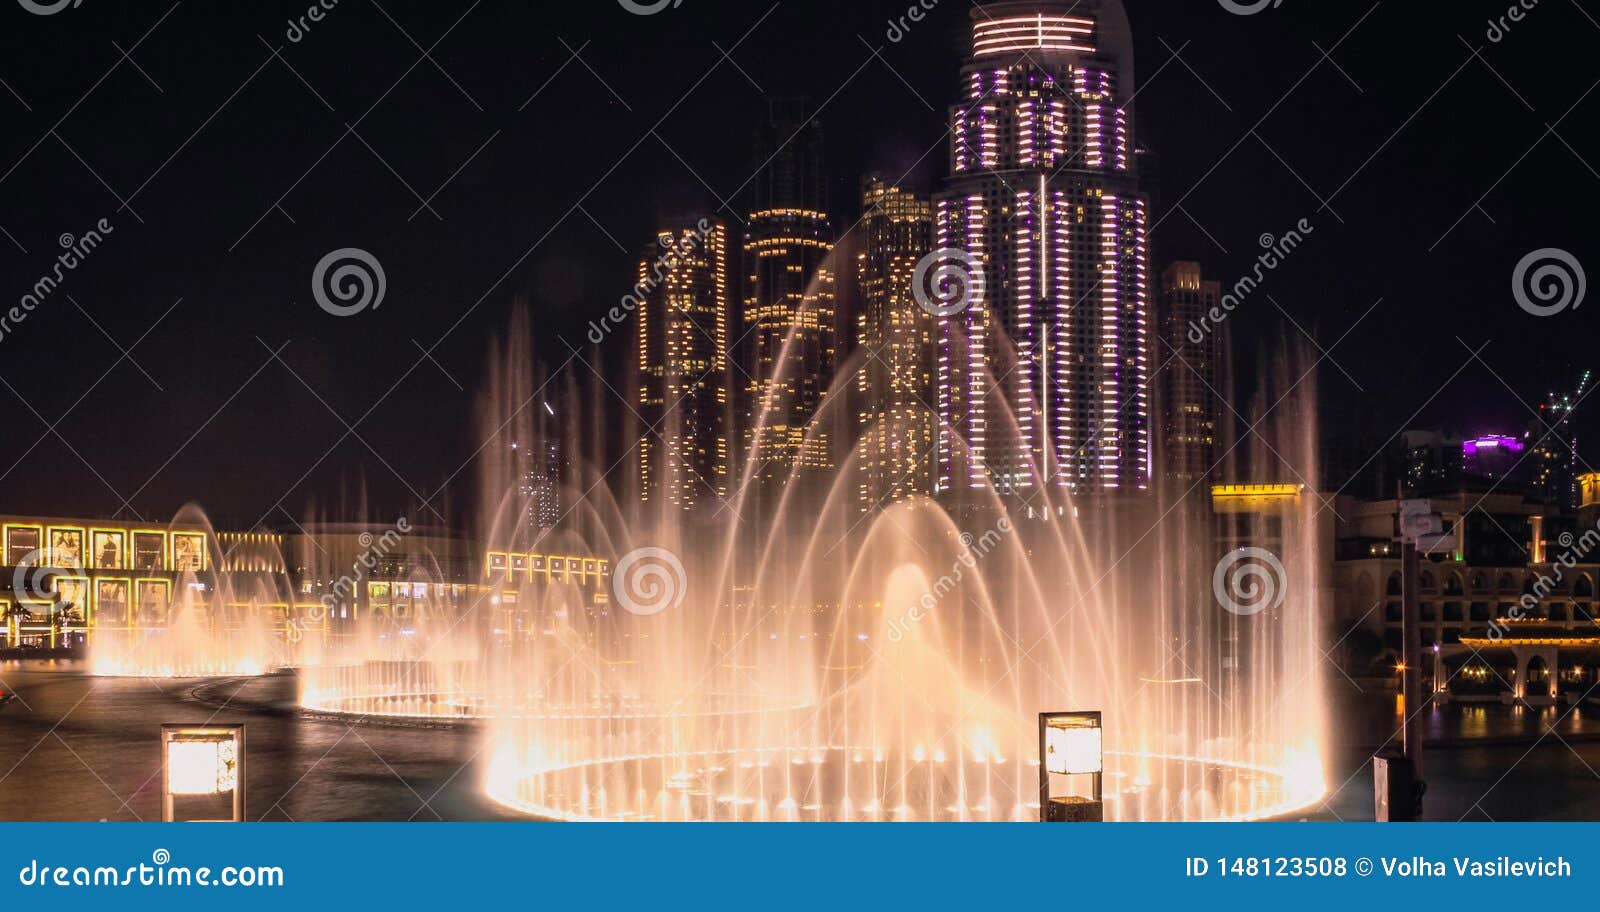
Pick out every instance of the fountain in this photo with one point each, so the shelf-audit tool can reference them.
(804, 661)
(211, 622)
(793, 658)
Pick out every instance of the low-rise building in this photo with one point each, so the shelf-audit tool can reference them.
(69, 575)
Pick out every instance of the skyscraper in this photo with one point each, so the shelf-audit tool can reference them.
(789, 302)
(539, 472)
(1044, 379)
(895, 384)
(681, 354)
(1556, 465)
(1188, 361)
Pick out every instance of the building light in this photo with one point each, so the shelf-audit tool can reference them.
(1257, 490)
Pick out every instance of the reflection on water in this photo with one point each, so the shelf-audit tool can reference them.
(1484, 761)
(105, 764)
(1458, 721)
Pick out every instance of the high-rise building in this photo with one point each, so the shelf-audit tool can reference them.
(1044, 380)
(894, 386)
(1189, 367)
(1429, 462)
(789, 303)
(1492, 457)
(681, 355)
(1556, 465)
(539, 470)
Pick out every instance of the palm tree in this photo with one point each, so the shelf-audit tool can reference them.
(12, 615)
(65, 616)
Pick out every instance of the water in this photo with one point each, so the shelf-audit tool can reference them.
(778, 655)
(82, 748)
(213, 622)
(782, 657)
(309, 768)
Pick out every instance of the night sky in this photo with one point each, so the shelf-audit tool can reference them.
(545, 183)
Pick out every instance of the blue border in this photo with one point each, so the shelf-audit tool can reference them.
(806, 866)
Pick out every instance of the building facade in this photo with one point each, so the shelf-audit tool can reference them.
(1189, 364)
(539, 471)
(790, 304)
(75, 579)
(1493, 457)
(1508, 590)
(69, 575)
(895, 385)
(1044, 381)
(681, 358)
(1555, 465)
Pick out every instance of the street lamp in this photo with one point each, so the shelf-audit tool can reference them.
(1070, 745)
(200, 762)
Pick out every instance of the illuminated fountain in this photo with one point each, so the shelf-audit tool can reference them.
(895, 706)
(813, 663)
(418, 658)
(208, 621)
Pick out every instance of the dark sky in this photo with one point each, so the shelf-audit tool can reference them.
(203, 131)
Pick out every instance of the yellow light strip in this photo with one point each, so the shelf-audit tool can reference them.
(1257, 490)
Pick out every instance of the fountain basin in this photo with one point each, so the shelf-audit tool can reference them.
(843, 783)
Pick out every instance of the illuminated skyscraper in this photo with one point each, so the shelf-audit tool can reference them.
(539, 472)
(1189, 360)
(1556, 465)
(895, 384)
(1045, 380)
(789, 303)
(681, 354)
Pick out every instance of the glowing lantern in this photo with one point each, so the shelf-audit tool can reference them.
(1070, 744)
(199, 762)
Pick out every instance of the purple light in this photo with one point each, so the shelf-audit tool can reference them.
(1492, 442)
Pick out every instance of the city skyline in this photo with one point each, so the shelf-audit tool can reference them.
(574, 278)
(905, 411)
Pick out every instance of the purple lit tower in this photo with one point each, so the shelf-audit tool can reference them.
(1492, 457)
(1046, 378)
